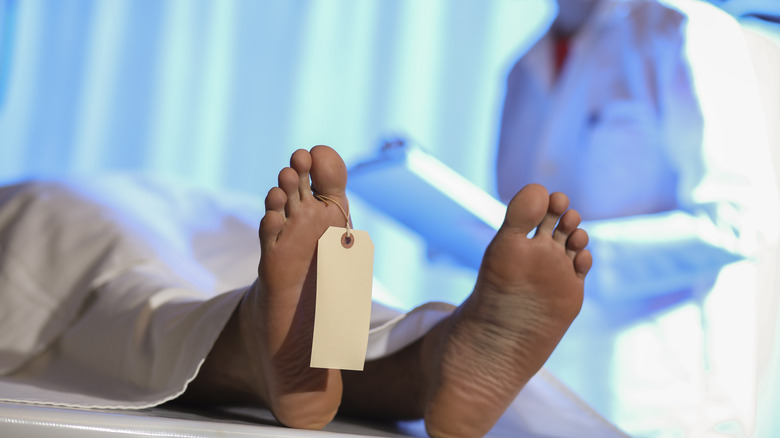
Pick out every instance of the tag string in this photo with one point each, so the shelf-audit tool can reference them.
(325, 199)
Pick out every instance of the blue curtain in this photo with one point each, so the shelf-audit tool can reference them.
(222, 92)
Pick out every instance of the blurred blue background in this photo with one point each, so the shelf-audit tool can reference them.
(222, 92)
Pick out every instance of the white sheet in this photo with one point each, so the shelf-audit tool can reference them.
(113, 292)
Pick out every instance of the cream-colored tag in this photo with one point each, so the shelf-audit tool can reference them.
(345, 265)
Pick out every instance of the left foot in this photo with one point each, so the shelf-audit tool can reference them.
(528, 292)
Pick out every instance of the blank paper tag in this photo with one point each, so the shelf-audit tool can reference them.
(343, 308)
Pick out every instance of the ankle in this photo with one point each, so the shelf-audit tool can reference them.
(227, 374)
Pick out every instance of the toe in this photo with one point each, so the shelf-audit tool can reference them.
(328, 171)
(270, 227)
(273, 221)
(566, 225)
(288, 182)
(577, 241)
(301, 161)
(276, 200)
(557, 205)
(582, 263)
(527, 209)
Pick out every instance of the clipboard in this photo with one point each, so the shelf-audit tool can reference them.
(450, 212)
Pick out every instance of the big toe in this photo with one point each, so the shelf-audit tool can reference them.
(527, 209)
(328, 171)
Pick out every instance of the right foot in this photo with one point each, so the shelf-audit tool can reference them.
(528, 292)
(276, 317)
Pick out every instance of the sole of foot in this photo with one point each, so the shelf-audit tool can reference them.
(528, 291)
(277, 315)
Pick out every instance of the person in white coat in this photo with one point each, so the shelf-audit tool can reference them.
(647, 113)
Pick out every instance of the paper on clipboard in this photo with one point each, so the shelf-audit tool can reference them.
(451, 213)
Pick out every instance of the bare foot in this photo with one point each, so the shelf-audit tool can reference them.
(263, 353)
(528, 292)
(280, 310)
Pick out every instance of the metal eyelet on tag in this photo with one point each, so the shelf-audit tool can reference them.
(347, 240)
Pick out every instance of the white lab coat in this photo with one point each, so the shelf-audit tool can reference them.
(114, 289)
(654, 130)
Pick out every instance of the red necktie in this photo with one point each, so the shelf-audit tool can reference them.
(561, 52)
